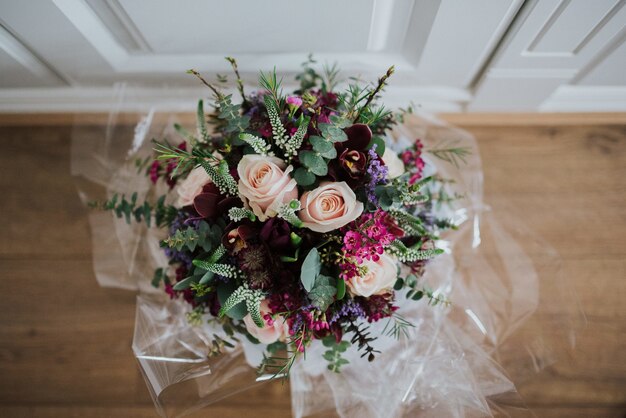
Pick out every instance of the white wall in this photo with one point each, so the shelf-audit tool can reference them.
(450, 55)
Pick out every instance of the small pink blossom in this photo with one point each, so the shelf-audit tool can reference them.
(294, 101)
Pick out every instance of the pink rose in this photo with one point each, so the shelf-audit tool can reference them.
(329, 207)
(192, 186)
(380, 276)
(264, 185)
(274, 330)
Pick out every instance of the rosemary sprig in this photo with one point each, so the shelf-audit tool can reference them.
(382, 81)
(448, 152)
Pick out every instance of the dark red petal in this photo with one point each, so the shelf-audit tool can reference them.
(359, 136)
(206, 205)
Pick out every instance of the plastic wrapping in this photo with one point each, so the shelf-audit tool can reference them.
(458, 361)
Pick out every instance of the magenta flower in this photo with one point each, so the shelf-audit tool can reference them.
(352, 240)
(294, 101)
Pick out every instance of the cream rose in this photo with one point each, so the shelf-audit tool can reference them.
(192, 186)
(279, 330)
(329, 207)
(264, 185)
(380, 276)
(393, 163)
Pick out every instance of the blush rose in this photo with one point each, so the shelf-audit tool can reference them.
(380, 276)
(192, 186)
(329, 207)
(278, 330)
(265, 184)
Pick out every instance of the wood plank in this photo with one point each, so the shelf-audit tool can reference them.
(65, 342)
(473, 119)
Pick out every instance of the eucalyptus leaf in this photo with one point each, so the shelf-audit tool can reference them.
(323, 292)
(310, 269)
(324, 147)
(304, 177)
(314, 162)
(332, 132)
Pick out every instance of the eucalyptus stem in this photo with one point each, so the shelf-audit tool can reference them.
(206, 83)
(381, 83)
(233, 63)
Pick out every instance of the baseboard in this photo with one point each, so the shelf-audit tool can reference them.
(131, 99)
(586, 99)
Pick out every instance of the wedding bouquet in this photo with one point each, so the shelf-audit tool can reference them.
(300, 235)
(294, 220)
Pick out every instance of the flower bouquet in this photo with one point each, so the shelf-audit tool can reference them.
(309, 235)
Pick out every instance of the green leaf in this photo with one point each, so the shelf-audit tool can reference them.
(323, 147)
(341, 289)
(206, 277)
(184, 284)
(223, 293)
(332, 133)
(304, 177)
(323, 292)
(314, 162)
(380, 145)
(310, 269)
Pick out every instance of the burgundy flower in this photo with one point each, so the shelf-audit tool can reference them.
(352, 162)
(237, 239)
(211, 203)
(276, 234)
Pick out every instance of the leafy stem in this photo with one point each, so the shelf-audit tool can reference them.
(382, 81)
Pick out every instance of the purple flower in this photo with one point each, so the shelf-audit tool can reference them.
(377, 172)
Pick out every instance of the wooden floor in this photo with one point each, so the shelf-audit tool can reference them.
(65, 342)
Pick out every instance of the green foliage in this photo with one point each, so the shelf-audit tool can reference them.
(279, 134)
(382, 81)
(194, 317)
(397, 327)
(233, 64)
(304, 177)
(211, 264)
(288, 211)
(258, 144)
(251, 297)
(272, 85)
(408, 255)
(190, 238)
(323, 147)
(310, 269)
(363, 340)
(237, 214)
(447, 151)
(332, 132)
(323, 292)
(221, 177)
(230, 114)
(161, 213)
(341, 289)
(314, 162)
(411, 225)
(295, 142)
(203, 133)
(333, 355)
(159, 276)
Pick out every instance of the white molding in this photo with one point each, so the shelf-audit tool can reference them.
(31, 63)
(104, 99)
(89, 24)
(586, 99)
(382, 14)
